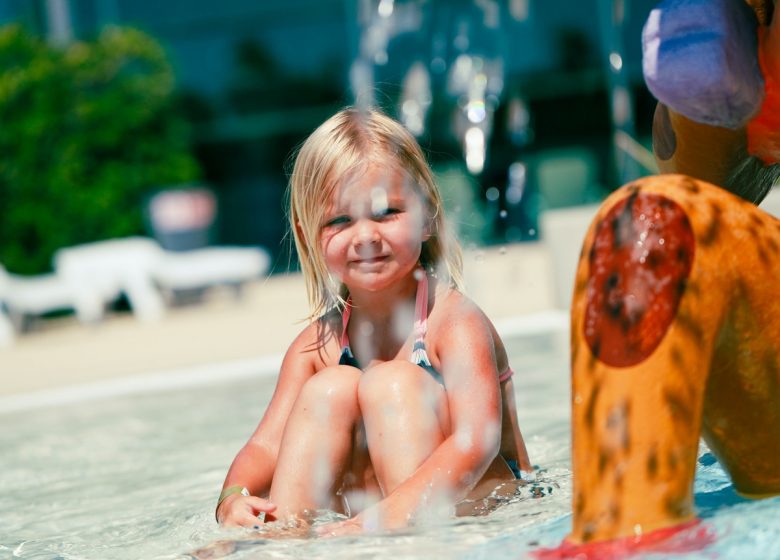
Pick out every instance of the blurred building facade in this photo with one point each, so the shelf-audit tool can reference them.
(254, 78)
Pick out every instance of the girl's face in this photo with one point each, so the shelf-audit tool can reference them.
(373, 229)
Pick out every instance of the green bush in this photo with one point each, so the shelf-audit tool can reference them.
(85, 132)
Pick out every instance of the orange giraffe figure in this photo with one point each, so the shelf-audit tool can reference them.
(675, 333)
(675, 324)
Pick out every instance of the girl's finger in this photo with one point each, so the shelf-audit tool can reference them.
(260, 504)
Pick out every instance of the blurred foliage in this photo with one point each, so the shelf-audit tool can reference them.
(86, 131)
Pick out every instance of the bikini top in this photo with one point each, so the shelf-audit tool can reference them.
(419, 354)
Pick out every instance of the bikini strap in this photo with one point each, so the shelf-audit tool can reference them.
(419, 354)
(344, 322)
(421, 306)
(509, 372)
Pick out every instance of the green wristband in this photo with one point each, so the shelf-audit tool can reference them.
(229, 491)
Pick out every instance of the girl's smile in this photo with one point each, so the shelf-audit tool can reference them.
(369, 262)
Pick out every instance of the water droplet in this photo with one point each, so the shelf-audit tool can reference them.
(616, 61)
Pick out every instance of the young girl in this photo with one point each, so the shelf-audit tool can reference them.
(398, 393)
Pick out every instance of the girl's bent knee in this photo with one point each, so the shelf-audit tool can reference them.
(335, 385)
(397, 380)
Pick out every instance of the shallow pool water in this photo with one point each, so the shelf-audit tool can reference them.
(137, 476)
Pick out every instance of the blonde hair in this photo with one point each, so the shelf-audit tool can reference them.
(342, 145)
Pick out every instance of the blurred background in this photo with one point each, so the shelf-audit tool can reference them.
(106, 101)
(176, 121)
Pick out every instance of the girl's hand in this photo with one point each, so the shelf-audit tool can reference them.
(243, 511)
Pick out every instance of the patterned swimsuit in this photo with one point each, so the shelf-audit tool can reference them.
(419, 354)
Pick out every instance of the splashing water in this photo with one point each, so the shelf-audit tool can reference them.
(138, 476)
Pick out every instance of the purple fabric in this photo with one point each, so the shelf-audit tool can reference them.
(700, 59)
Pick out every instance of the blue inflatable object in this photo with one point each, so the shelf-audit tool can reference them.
(700, 58)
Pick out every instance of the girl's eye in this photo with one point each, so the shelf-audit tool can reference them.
(337, 221)
(387, 212)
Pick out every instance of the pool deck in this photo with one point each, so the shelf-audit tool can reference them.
(507, 282)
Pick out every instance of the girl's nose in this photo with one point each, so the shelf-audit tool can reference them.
(367, 232)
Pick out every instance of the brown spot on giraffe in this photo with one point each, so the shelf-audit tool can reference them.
(614, 512)
(712, 232)
(690, 186)
(677, 506)
(672, 460)
(579, 503)
(691, 327)
(678, 408)
(590, 409)
(643, 239)
(677, 358)
(652, 463)
(772, 244)
(604, 459)
(692, 288)
(762, 256)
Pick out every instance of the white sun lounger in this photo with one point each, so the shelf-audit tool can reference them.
(22, 296)
(100, 272)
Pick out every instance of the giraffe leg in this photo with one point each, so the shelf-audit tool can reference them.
(670, 275)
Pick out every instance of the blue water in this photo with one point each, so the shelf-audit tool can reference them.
(136, 477)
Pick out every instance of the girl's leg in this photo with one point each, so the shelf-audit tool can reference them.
(317, 445)
(359, 488)
(406, 417)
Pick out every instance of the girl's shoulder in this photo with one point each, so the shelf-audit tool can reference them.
(454, 311)
(319, 342)
(450, 303)
(455, 316)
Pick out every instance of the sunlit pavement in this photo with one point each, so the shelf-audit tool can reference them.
(506, 281)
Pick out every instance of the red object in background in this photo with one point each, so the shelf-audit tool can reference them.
(763, 130)
(183, 209)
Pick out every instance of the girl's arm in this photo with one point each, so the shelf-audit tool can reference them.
(512, 443)
(254, 465)
(468, 366)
